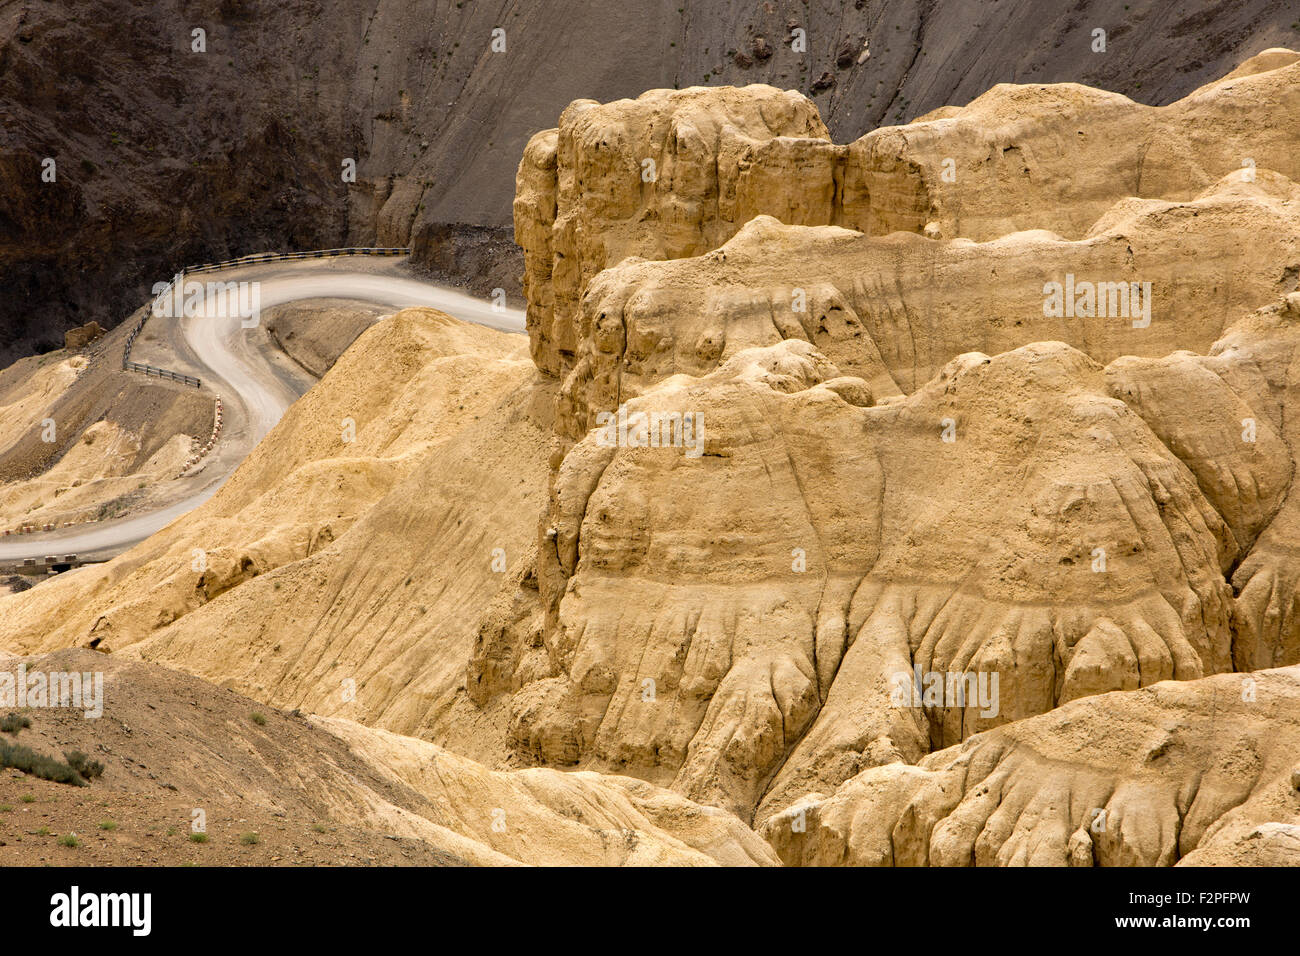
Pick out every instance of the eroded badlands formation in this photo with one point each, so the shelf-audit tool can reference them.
(84, 440)
(907, 460)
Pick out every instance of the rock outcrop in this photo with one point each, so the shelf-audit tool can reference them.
(1057, 158)
(911, 469)
(652, 177)
(80, 337)
(720, 619)
(1196, 773)
(1151, 277)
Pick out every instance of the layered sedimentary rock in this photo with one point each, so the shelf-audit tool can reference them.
(873, 494)
(717, 619)
(634, 177)
(1057, 156)
(1054, 157)
(1191, 772)
(1151, 277)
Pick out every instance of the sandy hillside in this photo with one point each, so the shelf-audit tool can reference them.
(386, 541)
(81, 440)
(315, 792)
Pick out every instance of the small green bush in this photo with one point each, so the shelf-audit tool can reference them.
(249, 839)
(67, 840)
(12, 723)
(198, 837)
(258, 718)
(38, 765)
(90, 769)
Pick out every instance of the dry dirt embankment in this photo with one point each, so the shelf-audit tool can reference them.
(177, 751)
(315, 332)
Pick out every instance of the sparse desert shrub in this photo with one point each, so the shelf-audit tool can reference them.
(39, 765)
(107, 825)
(111, 509)
(90, 769)
(67, 840)
(258, 718)
(249, 839)
(12, 723)
(198, 837)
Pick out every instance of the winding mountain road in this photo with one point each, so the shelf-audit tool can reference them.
(240, 365)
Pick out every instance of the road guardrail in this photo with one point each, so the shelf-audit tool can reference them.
(249, 260)
(161, 373)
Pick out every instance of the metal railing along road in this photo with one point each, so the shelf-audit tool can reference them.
(260, 257)
(249, 260)
(161, 373)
